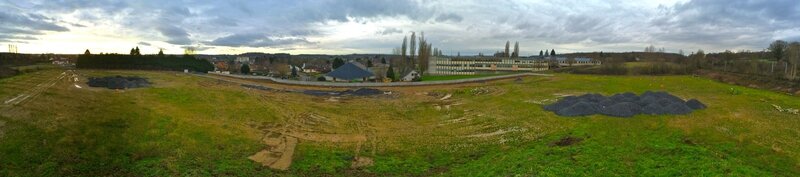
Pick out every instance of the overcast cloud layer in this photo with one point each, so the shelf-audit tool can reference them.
(377, 26)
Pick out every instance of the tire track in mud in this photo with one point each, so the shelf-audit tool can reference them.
(281, 139)
(7, 107)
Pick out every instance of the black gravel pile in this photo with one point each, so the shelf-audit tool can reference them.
(624, 105)
(363, 92)
(118, 82)
(257, 87)
(356, 92)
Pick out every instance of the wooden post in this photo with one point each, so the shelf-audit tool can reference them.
(772, 67)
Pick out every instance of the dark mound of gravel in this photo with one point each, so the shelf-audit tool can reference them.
(363, 92)
(624, 105)
(581, 108)
(356, 92)
(118, 82)
(258, 87)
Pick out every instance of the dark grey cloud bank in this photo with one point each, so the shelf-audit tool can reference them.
(468, 26)
(20, 26)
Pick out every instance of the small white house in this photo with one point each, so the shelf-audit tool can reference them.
(410, 76)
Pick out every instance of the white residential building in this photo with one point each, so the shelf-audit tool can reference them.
(477, 65)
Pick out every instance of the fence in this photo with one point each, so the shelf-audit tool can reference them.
(782, 70)
(378, 84)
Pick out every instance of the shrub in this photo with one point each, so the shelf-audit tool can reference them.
(734, 91)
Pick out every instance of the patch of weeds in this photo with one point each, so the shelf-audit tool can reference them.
(315, 160)
(734, 91)
(400, 165)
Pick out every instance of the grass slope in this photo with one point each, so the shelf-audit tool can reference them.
(455, 77)
(192, 126)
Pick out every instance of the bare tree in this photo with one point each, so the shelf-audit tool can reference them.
(516, 50)
(424, 53)
(650, 49)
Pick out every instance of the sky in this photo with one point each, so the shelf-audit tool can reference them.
(377, 26)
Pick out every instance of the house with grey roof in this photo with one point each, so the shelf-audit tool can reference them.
(351, 71)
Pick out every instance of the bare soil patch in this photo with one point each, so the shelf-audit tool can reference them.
(278, 153)
(566, 141)
(281, 139)
(359, 162)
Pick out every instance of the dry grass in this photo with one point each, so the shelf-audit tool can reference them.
(195, 126)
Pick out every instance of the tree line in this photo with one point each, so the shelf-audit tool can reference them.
(142, 62)
(780, 60)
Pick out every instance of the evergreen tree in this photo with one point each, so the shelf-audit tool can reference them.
(369, 63)
(87, 52)
(161, 52)
(390, 73)
(541, 53)
(133, 51)
(337, 62)
(553, 52)
(245, 69)
(137, 51)
(383, 60)
(294, 71)
(516, 50)
(404, 47)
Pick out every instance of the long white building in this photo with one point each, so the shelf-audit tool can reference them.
(483, 65)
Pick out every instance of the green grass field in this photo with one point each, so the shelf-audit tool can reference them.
(192, 126)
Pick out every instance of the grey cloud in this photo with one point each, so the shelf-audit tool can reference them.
(389, 31)
(144, 43)
(16, 37)
(255, 40)
(197, 48)
(23, 26)
(175, 35)
(29, 21)
(726, 23)
(449, 17)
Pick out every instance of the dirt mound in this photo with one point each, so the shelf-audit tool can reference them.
(624, 105)
(118, 82)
